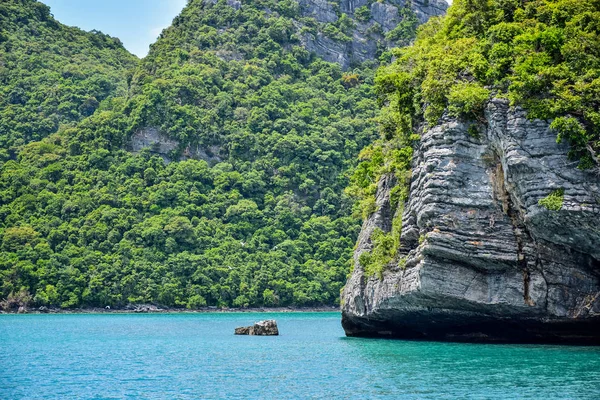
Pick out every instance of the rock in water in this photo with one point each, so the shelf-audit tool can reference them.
(265, 328)
(481, 259)
(243, 330)
(262, 328)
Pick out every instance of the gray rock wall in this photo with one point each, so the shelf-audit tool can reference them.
(153, 140)
(481, 260)
(365, 40)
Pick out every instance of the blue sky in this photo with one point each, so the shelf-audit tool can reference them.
(136, 22)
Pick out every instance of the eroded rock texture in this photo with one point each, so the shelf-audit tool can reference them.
(262, 328)
(368, 37)
(481, 260)
(158, 143)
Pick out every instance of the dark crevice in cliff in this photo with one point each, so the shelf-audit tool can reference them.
(520, 231)
(595, 266)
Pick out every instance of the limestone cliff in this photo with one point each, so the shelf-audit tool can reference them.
(481, 259)
(369, 35)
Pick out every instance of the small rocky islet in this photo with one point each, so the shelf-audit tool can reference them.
(261, 328)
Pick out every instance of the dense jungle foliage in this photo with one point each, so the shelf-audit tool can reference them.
(86, 223)
(51, 74)
(543, 55)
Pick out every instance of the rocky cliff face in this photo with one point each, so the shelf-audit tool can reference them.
(366, 38)
(369, 35)
(383, 12)
(481, 259)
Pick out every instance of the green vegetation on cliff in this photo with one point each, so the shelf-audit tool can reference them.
(543, 55)
(554, 201)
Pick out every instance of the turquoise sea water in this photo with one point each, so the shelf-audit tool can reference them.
(196, 356)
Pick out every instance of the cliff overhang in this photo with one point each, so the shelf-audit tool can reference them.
(482, 257)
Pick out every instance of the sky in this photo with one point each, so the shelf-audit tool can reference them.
(136, 22)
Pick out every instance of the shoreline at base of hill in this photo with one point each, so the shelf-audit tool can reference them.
(152, 309)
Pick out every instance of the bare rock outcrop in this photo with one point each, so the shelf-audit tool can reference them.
(481, 259)
(262, 328)
(368, 36)
(156, 142)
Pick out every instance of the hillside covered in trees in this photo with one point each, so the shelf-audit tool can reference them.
(51, 74)
(244, 206)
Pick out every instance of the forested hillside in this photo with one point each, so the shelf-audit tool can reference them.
(51, 74)
(246, 204)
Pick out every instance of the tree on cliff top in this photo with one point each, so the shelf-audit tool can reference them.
(543, 55)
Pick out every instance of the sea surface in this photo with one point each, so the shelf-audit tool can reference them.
(196, 356)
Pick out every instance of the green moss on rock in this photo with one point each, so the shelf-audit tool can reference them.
(554, 201)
